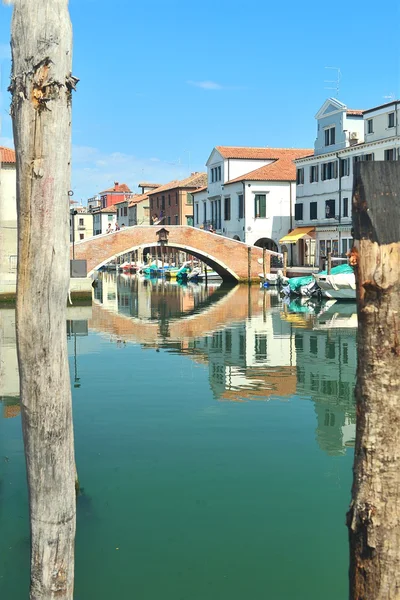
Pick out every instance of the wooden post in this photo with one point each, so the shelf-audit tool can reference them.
(329, 262)
(264, 265)
(205, 274)
(41, 88)
(249, 265)
(374, 515)
(284, 263)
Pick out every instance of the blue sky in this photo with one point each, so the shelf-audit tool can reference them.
(163, 82)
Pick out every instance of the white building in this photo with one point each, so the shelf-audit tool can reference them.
(250, 194)
(325, 180)
(80, 224)
(102, 218)
(8, 215)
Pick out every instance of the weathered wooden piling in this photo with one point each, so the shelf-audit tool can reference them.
(374, 515)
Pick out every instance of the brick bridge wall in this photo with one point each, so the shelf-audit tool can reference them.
(228, 257)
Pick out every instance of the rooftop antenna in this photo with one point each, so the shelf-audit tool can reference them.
(335, 83)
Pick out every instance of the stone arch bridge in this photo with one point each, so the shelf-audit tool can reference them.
(232, 260)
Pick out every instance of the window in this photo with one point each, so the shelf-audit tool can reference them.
(219, 173)
(260, 347)
(204, 212)
(189, 198)
(169, 220)
(81, 236)
(358, 158)
(330, 209)
(110, 217)
(176, 198)
(369, 156)
(370, 126)
(169, 199)
(298, 212)
(391, 120)
(329, 170)
(197, 212)
(227, 209)
(345, 207)
(313, 210)
(151, 204)
(162, 202)
(314, 173)
(81, 222)
(241, 206)
(189, 220)
(300, 176)
(330, 136)
(260, 206)
(389, 155)
(313, 344)
(345, 246)
(176, 220)
(344, 167)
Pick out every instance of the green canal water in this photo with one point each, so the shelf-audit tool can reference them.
(214, 442)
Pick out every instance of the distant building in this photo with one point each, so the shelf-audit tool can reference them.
(148, 187)
(172, 203)
(102, 218)
(8, 214)
(139, 210)
(250, 194)
(81, 225)
(118, 193)
(325, 179)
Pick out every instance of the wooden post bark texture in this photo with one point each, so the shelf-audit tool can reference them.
(41, 86)
(374, 515)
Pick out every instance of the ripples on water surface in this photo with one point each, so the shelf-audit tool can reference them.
(214, 432)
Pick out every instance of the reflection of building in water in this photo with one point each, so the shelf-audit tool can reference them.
(326, 366)
(9, 378)
(253, 359)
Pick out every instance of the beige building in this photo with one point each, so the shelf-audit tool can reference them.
(8, 215)
(80, 225)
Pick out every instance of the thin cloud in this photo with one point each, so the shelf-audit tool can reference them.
(206, 85)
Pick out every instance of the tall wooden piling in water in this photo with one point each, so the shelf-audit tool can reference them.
(374, 515)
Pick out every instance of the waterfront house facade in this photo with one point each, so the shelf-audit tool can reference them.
(325, 180)
(103, 218)
(172, 203)
(80, 225)
(8, 214)
(118, 193)
(250, 194)
(139, 209)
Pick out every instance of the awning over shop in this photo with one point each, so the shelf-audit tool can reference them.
(297, 234)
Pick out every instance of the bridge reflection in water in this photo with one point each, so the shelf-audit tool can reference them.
(254, 347)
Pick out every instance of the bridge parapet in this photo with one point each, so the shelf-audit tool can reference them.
(233, 260)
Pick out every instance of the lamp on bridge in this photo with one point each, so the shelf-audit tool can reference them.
(163, 241)
(162, 236)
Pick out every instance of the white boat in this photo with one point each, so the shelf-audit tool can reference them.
(341, 286)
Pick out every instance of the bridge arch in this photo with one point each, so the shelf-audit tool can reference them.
(233, 260)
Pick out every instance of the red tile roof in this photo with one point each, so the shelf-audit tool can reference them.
(253, 153)
(118, 188)
(200, 189)
(149, 185)
(196, 180)
(137, 198)
(354, 113)
(7, 156)
(282, 169)
(108, 209)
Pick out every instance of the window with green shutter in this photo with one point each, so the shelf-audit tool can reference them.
(260, 206)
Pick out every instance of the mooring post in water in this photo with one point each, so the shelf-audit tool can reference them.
(41, 89)
(284, 263)
(249, 265)
(329, 262)
(264, 265)
(374, 515)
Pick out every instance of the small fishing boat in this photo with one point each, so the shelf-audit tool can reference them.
(340, 284)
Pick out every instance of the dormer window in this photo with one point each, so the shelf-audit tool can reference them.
(330, 136)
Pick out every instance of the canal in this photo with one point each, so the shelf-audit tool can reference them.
(214, 433)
